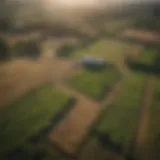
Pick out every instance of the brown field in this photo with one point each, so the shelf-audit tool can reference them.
(141, 35)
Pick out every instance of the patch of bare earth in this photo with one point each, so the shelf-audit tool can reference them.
(142, 35)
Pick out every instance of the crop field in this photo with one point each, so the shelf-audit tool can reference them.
(154, 129)
(95, 84)
(29, 115)
(119, 120)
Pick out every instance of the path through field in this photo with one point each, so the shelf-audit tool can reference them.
(140, 148)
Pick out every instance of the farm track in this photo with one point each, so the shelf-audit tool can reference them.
(139, 146)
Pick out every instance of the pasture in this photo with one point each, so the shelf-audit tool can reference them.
(27, 116)
(95, 84)
(118, 121)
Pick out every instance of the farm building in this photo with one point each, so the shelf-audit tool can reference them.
(93, 62)
(89, 60)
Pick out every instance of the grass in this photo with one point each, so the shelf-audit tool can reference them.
(154, 123)
(26, 117)
(95, 84)
(119, 120)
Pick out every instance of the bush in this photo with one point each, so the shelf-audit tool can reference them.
(3, 50)
(64, 51)
(26, 49)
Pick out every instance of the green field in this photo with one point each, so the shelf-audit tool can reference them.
(119, 120)
(95, 84)
(26, 117)
(147, 57)
(154, 127)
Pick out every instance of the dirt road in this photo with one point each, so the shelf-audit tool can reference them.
(140, 147)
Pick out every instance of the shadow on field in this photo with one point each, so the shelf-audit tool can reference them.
(54, 122)
(107, 143)
(139, 67)
(26, 153)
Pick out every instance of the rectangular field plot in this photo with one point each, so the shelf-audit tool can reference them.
(95, 84)
(117, 123)
(154, 124)
(26, 117)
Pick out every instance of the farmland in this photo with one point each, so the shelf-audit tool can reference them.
(24, 118)
(95, 84)
(119, 121)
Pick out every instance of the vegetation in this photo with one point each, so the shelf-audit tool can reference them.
(3, 50)
(26, 117)
(26, 49)
(117, 123)
(95, 84)
(65, 51)
(147, 61)
(147, 57)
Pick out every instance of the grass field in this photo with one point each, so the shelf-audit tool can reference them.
(26, 117)
(119, 120)
(154, 129)
(95, 84)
